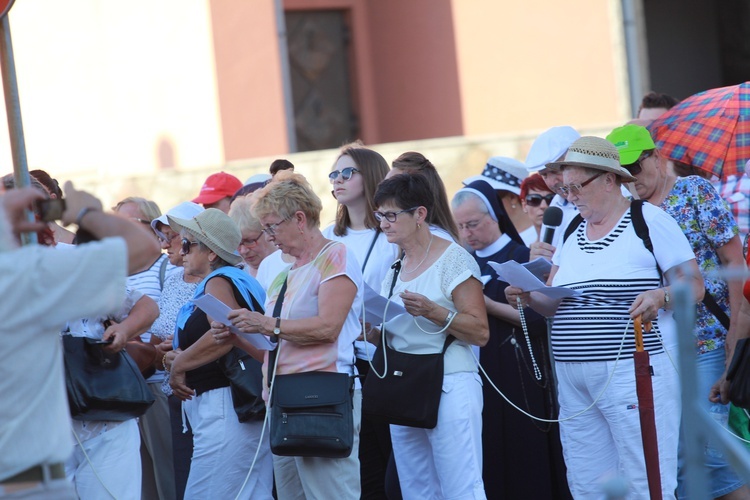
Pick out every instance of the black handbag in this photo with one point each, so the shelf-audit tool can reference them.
(244, 372)
(738, 375)
(311, 412)
(102, 385)
(246, 383)
(410, 391)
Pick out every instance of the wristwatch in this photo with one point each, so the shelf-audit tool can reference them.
(277, 328)
(666, 297)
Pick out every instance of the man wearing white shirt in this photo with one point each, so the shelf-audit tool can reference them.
(44, 288)
(549, 147)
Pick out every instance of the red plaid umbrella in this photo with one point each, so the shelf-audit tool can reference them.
(709, 130)
(645, 392)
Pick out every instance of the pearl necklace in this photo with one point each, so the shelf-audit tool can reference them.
(429, 245)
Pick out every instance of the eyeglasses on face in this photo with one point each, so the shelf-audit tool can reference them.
(471, 225)
(391, 216)
(270, 229)
(345, 173)
(637, 167)
(575, 189)
(534, 200)
(248, 243)
(186, 244)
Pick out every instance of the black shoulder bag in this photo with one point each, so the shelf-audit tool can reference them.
(311, 412)
(738, 375)
(244, 373)
(409, 392)
(102, 385)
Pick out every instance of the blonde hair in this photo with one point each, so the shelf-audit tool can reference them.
(242, 214)
(148, 208)
(287, 194)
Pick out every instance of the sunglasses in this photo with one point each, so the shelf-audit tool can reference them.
(391, 216)
(163, 238)
(346, 174)
(636, 168)
(534, 200)
(186, 244)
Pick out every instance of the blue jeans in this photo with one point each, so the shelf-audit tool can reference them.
(723, 480)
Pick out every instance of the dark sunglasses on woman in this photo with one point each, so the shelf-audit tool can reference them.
(534, 200)
(186, 244)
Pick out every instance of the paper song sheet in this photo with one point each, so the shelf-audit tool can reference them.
(219, 311)
(518, 276)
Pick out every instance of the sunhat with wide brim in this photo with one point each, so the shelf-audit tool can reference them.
(596, 153)
(215, 229)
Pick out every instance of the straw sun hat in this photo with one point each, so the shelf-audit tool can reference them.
(215, 229)
(596, 153)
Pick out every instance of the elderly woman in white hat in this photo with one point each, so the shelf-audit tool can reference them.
(617, 278)
(223, 448)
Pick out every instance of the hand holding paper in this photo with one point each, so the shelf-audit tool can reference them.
(219, 311)
(518, 276)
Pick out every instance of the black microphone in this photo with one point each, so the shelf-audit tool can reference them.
(553, 217)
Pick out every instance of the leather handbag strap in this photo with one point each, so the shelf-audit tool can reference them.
(369, 250)
(710, 302)
(276, 313)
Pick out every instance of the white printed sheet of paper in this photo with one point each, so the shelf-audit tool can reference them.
(518, 276)
(219, 311)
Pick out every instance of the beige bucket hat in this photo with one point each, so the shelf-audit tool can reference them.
(215, 229)
(596, 153)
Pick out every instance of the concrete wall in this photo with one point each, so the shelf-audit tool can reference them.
(456, 158)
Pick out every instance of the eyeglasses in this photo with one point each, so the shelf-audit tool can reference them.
(270, 229)
(250, 243)
(471, 225)
(186, 244)
(142, 221)
(534, 200)
(391, 216)
(346, 174)
(637, 167)
(575, 189)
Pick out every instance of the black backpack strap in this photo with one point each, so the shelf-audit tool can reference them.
(572, 226)
(641, 230)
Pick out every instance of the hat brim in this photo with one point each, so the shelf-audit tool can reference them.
(621, 172)
(209, 198)
(191, 225)
(496, 185)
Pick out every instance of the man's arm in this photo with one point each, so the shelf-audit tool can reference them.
(86, 210)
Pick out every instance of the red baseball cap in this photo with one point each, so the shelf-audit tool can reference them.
(216, 187)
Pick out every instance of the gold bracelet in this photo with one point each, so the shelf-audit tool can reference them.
(164, 363)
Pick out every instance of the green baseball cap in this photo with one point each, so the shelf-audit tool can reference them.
(631, 141)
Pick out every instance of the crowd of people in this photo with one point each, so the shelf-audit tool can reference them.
(538, 392)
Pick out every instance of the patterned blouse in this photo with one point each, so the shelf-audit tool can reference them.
(175, 294)
(708, 224)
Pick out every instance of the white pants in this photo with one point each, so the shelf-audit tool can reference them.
(605, 441)
(116, 459)
(322, 478)
(444, 462)
(223, 450)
